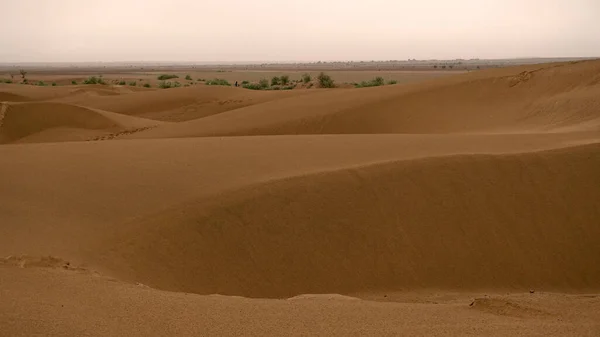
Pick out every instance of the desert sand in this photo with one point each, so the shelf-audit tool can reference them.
(463, 205)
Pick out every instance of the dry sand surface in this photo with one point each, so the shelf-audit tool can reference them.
(463, 205)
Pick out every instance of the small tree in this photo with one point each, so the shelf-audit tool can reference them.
(188, 77)
(306, 78)
(276, 80)
(23, 73)
(325, 81)
(285, 79)
(263, 83)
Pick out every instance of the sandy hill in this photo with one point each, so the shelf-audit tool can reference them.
(185, 103)
(427, 209)
(525, 99)
(51, 122)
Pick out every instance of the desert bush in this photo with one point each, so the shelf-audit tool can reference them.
(5, 80)
(132, 83)
(94, 80)
(165, 85)
(41, 83)
(188, 77)
(276, 80)
(218, 81)
(176, 84)
(186, 85)
(325, 81)
(74, 82)
(264, 83)
(23, 73)
(377, 81)
(252, 86)
(245, 82)
(392, 82)
(122, 83)
(306, 78)
(285, 79)
(167, 77)
(53, 84)
(147, 85)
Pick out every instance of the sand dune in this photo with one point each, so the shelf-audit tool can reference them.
(423, 209)
(49, 122)
(525, 99)
(179, 104)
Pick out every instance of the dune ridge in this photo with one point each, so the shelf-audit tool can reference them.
(501, 101)
(521, 221)
(464, 205)
(49, 121)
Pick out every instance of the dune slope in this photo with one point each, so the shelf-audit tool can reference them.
(49, 122)
(464, 222)
(526, 99)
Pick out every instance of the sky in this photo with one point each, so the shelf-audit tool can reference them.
(302, 31)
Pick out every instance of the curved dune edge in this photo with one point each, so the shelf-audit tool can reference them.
(540, 98)
(39, 122)
(462, 222)
(69, 304)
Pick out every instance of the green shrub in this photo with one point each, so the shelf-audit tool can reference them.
(74, 82)
(263, 83)
(147, 85)
(41, 84)
(176, 84)
(167, 77)
(218, 81)
(285, 79)
(377, 81)
(306, 78)
(325, 81)
(122, 82)
(165, 85)
(392, 82)
(132, 83)
(53, 84)
(245, 82)
(276, 80)
(94, 80)
(252, 86)
(188, 77)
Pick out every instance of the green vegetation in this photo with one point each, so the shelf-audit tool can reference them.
(244, 82)
(132, 83)
(165, 85)
(276, 80)
(41, 84)
(53, 84)
(377, 81)
(147, 85)
(285, 79)
(263, 83)
(94, 80)
(392, 82)
(306, 78)
(23, 73)
(325, 81)
(218, 81)
(5, 80)
(167, 77)
(188, 77)
(74, 82)
(122, 83)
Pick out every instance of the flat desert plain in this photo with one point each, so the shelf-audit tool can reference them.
(460, 205)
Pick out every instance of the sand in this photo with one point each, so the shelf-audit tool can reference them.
(463, 205)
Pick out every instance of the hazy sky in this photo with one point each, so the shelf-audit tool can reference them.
(305, 30)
